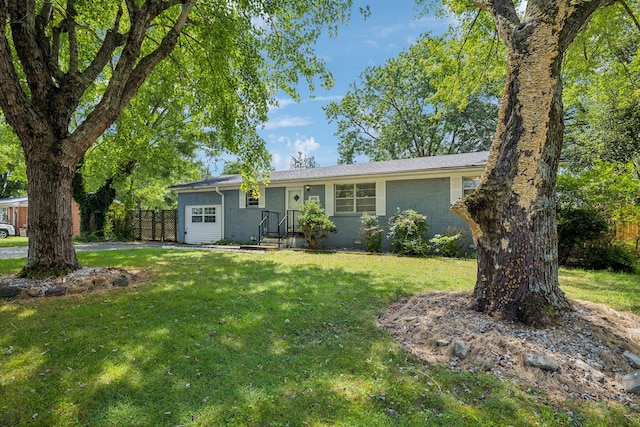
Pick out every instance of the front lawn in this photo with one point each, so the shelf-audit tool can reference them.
(285, 338)
(14, 241)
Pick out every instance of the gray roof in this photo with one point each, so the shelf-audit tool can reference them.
(422, 164)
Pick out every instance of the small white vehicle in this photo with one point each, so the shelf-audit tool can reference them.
(6, 230)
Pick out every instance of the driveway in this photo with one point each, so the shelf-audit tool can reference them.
(21, 251)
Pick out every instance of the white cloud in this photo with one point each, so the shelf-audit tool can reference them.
(306, 145)
(281, 103)
(276, 161)
(286, 122)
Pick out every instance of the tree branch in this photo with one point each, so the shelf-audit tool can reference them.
(504, 16)
(627, 9)
(73, 39)
(23, 30)
(18, 111)
(130, 72)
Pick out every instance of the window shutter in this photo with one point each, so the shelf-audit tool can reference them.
(262, 201)
(329, 196)
(242, 198)
(381, 197)
(455, 189)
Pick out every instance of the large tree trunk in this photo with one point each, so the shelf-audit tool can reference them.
(50, 223)
(512, 212)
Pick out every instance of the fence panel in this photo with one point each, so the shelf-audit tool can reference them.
(161, 225)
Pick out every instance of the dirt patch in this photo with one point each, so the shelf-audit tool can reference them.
(83, 281)
(588, 347)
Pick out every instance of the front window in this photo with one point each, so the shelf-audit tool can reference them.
(469, 185)
(355, 198)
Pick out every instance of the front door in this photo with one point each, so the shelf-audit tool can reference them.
(295, 198)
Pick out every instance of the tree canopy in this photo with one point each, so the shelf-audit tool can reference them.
(413, 106)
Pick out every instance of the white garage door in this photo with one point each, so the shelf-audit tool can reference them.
(203, 224)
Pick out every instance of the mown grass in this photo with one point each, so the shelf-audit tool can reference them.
(14, 241)
(285, 338)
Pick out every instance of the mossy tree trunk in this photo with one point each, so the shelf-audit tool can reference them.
(512, 212)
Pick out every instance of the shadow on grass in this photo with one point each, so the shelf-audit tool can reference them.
(219, 339)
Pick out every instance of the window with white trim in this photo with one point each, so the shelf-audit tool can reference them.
(469, 185)
(355, 198)
(206, 215)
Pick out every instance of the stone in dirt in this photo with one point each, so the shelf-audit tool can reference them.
(33, 292)
(594, 373)
(121, 282)
(631, 382)
(55, 292)
(633, 359)
(10, 291)
(460, 349)
(541, 361)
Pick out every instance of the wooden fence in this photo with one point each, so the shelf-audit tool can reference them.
(628, 232)
(161, 225)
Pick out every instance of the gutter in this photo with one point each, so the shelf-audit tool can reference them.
(222, 210)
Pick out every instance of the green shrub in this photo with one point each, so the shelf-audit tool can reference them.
(608, 256)
(315, 224)
(371, 232)
(585, 240)
(407, 231)
(577, 228)
(118, 225)
(454, 243)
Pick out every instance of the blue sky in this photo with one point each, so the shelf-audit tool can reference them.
(392, 27)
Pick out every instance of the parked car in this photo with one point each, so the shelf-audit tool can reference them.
(7, 230)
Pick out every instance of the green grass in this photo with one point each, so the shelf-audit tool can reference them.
(286, 338)
(14, 241)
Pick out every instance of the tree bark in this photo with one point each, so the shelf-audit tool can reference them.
(512, 212)
(50, 222)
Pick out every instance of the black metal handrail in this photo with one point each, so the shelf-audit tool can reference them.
(287, 226)
(267, 226)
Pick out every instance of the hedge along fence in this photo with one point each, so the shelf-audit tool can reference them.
(629, 232)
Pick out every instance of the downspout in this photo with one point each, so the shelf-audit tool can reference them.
(222, 210)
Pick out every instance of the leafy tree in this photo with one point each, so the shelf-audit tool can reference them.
(512, 211)
(315, 224)
(68, 70)
(302, 161)
(398, 112)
